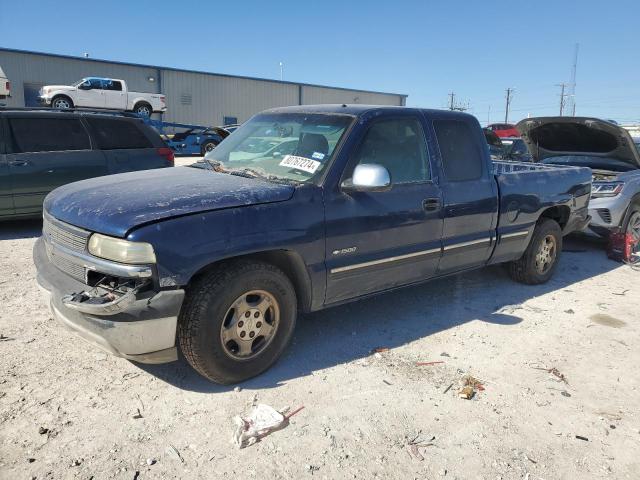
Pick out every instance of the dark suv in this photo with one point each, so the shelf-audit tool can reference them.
(42, 150)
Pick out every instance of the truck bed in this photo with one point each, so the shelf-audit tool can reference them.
(526, 190)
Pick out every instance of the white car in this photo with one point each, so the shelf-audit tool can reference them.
(5, 87)
(108, 93)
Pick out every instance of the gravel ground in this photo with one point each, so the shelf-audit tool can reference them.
(68, 410)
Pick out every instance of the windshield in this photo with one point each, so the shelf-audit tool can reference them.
(78, 83)
(288, 146)
(597, 163)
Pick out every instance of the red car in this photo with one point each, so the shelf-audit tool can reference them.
(504, 130)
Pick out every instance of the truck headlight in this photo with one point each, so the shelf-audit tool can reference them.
(606, 189)
(120, 250)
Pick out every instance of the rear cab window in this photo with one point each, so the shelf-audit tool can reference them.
(462, 159)
(55, 134)
(117, 134)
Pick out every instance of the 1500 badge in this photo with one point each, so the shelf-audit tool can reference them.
(344, 251)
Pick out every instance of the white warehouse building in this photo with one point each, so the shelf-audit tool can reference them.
(192, 97)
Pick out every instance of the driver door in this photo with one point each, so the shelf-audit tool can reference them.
(91, 94)
(377, 240)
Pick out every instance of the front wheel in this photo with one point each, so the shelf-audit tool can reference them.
(632, 224)
(539, 260)
(61, 103)
(237, 320)
(207, 147)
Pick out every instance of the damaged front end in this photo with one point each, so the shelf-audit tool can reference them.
(116, 306)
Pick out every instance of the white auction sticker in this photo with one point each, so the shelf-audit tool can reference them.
(300, 163)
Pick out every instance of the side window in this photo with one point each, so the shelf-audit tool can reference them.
(461, 157)
(114, 134)
(398, 145)
(95, 84)
(113, 85)
(48, 134)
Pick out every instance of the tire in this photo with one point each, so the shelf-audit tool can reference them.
(531, 268)
(207, 147)
(632, 222)
(143, 109)
(61, 102)
(209, 314)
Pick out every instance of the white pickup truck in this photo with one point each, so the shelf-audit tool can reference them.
(5, 87)
(108, 93)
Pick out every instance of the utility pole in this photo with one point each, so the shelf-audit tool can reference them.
(506, 110)
(572, 85)
(489, 116)
(452, 96)
(281, 71)
(562, 86)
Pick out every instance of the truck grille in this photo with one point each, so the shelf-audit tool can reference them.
(70, 268)
(64, 235)
(59, 234)
(605, 214)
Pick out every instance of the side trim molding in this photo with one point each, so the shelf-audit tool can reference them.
(384, 260)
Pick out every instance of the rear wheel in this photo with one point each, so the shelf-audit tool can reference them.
(237, 320)
(61, 103)
(539, 260)
(143, 109)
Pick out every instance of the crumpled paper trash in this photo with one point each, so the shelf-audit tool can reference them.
(260, 421)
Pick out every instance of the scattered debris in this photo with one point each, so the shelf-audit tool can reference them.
(4, 339)
(624, 292)
(43, 430)
(473, 382)
(448, 388)
(173, 451)
(151, 461)
(237, 389)
(388, 383)
(260, 422)
(580, 437)
(425, 364)
(554, 371)
(570, 311)
(76, 463)
(31, 459)
(564, 393)
(137, 414)
(467, 393)
(444, 354)
(416, 444)
(380, 350)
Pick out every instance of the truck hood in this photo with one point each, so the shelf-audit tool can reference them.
(559, 136)
(115, 204)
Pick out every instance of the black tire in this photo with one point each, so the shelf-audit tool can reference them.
(61, 102)
(630, 223)
(526, 270)
(208, 302)
(143, 109)
(207, 147)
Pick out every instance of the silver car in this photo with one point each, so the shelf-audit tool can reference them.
(608, 150)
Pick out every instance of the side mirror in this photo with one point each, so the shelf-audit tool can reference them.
(368, 177)
(85, 86)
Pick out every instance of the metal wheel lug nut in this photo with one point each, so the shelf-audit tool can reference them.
(247, 314)
(258, 324)
(240, 323)
(251, 334)
(242, 334)
(256, 315)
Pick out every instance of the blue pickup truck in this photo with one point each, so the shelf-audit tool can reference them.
(300, 209)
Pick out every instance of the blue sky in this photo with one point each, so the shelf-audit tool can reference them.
(422, 48)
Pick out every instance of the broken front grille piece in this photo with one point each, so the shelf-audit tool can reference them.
(110, 296)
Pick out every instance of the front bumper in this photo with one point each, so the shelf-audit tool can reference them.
(44, 100)
(144, 331)
(607, 213)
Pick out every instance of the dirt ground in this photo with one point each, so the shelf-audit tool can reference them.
(68, 410)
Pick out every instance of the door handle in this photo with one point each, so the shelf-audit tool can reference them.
(431, 204)
(19, 163)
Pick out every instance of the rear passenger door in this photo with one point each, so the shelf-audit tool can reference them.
(114, 96)
(469, 193)
(124, 143)
(45, 153)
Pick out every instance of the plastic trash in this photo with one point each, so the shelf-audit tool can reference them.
(260, 422)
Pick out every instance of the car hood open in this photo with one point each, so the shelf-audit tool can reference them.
(116, 204)
(558, 136)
